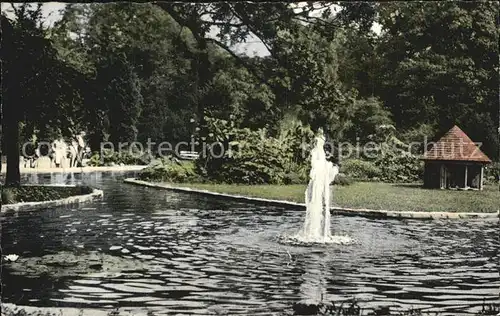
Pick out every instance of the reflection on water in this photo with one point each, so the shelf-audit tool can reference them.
(199, 255)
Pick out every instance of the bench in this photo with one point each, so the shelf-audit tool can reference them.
(189, 155)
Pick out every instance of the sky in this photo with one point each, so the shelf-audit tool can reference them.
(50, 10)
(252, 47)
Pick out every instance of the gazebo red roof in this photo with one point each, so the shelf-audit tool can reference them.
(455, 145)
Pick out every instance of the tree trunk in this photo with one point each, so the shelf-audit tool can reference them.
(204, 77)
(10, 108)
(1, 135)
(11, 140)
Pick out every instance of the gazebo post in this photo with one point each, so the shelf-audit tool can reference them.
(442, 177)
(481, 178)
(465, 183)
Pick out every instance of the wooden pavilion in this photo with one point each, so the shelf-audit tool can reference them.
(454, 162)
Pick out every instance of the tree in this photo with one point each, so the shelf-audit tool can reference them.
(369, 115)
(185, 73)
(161, 55)
(441, 66)
(287, 33)
(10, 119)
(120, 98)
(37, 88)
(310, 81)
(359, 61)
(234, 94)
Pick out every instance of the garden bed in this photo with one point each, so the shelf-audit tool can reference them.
(38, 193)
(32, 197)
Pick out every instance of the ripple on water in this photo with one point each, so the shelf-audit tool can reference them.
(186, 254)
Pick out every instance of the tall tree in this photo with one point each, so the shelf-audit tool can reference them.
(359, 61)
(159, 53)
(286, 31)
(37, 88)
(121, 98)
(441, 66)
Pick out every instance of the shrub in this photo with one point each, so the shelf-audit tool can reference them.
(41, 193)
(418, 134)
(394, 160)
(170, 170)
(493, 171)
(8, 196)
(360, 169)
(249, 157)
(294, 178)
(294, 135)
(95, 160)
(400, 167)
(342, 179)
(125, 157)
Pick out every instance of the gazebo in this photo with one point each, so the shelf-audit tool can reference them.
(454, 162)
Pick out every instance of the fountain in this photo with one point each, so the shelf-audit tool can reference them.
(316, 227)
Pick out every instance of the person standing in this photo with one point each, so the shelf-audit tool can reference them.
(81, 148)
(73, 153)
(56, 147)
(36, 157)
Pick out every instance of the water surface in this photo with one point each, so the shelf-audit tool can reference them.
(200, 255)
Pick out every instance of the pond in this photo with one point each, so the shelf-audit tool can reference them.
(163, 251)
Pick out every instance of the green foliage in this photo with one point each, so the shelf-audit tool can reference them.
(399, 167)
(369, 114)
(301, 70)
(391, 160)
(396, 162)
(361, 169)
(170, 170)
(125, 157)
(253, 157)
(493, 171)
(143, 80)
(447, 78)
(38, 88)
(95, 160)
(295, 178)
(245, 156)
(313, 83)
(343, 179)
(359, 61)
(8, 196)
(120, 98)
(127, 71)
(41, 193)
(419, 133)
(295, 137)
(234, 94)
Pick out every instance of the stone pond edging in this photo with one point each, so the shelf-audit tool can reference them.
(95, 195)
(13, 309)
(334, 209)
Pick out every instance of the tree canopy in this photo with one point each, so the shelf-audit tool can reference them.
(139, 71)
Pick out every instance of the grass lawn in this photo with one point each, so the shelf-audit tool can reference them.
(375, 195)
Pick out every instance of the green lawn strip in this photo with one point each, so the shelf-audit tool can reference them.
(374, 195)
(294, 193)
